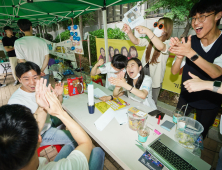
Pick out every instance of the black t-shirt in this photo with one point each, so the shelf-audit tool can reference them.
(9, 42)
(204, 99)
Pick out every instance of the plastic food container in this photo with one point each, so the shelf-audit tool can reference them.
(187, 131)
(136, 118)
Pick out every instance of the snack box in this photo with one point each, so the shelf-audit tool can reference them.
(75, 86)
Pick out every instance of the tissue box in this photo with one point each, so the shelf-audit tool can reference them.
(75, 86)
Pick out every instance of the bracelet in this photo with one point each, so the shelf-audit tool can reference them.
(111, 97)
(131, 89)
(152, 37)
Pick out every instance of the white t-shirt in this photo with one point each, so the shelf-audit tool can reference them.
(28, 99)
(108, 69)
(32, 49)
(146, 85)
(75, 161)
(217, 61)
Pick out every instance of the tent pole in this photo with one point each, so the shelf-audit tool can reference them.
(60, 39)
(39, 32)
(105, 33)
(59, 32)
(88, 40)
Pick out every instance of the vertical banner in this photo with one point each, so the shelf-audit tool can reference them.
(125, 47)
(76, 39)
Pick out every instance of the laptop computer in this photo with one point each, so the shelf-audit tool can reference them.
(174, 156)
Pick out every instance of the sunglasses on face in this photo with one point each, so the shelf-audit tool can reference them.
(160, 26)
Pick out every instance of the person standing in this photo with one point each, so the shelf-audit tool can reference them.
(202, 53)
(31, 48)
(8, 42)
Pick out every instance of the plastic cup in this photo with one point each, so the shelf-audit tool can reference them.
(143, 133)
(176, 114)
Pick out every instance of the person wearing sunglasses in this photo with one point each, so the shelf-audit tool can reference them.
(156, 53)
(203, 58)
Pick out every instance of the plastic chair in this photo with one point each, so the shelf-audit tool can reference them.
(98, 81)
(58, 148)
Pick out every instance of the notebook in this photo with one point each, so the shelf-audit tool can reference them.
(167, 125)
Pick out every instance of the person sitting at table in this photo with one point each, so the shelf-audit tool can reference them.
(28, 73)
(20, 138)
(118, 64)
(138, 85)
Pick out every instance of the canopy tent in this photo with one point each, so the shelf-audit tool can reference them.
(44, 12)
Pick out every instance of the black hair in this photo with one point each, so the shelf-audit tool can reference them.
(207, 6)
(18, 136)
(140, 78)
(125, 49)
(22, 68)
(119, 61)
(24, 24)
(101, 49)
(132, 48)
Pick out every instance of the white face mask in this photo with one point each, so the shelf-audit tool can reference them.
(158, 32)
(136, 76)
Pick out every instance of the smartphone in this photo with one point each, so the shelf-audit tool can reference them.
(154, 112)
(161, 114)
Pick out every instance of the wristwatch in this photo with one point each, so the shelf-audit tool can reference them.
(111, 97)
(216, 86)
(196, 56)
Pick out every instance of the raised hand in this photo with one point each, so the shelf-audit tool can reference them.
(141, 29)
(59, 88)
(182, 49)
(40, 91)
(54, 108)
(100, 62)
(126, 28)
(117, 81)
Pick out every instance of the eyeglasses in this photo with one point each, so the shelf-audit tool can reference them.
(160, 26)
(201, 19)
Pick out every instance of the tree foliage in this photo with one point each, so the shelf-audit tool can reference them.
(178, 10)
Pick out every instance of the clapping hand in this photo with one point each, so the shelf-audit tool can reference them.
(40, 91)
(54, 107)
(181, 49)
(59, 88)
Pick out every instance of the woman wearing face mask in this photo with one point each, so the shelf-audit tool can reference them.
(132, 52)
(137, 85)
(156, 53)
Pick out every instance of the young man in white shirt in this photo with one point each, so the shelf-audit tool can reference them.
(202, 51)
(32, 48)
(28, 73)
(111, 69)
(20, 139)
